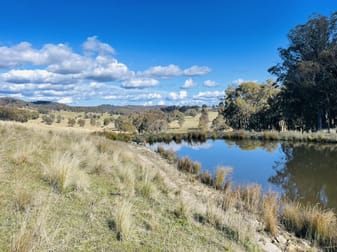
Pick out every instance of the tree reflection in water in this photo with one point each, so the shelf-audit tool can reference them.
(308, 173)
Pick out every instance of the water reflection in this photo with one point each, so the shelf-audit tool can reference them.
(308, 173)
(305, 172)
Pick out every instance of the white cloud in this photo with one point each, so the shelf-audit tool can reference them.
(175, 96)
(140, 83)
(174, 71)
(189, 83)
(210, 83)
(239, 81)
(163, 71)
(55, 72)
(107, 69)
(35, 76)
(93, 45)
(197, 70)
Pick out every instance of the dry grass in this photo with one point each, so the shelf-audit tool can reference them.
(270, 206)
(196, 168)
(220, 176)
(251, 197)
(123, 220)
(31, 232)
(23, 198)
(182, 209)
(84, 179)
(63, 173)
(312, 223)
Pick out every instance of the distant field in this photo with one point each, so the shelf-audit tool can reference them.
(191, 123)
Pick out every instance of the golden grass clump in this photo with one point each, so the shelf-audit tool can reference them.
(220, 176)
(23, 198)
(63, 173)
(270, 204)
(146, 184)
(123, 220)
(31, 232)
(185, 164)
(292, 217)
(214, 216)
(251, 197)
(182, 210)
(312, 223)
(196, 168)
(206, 178)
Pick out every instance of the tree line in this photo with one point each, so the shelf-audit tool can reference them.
(304, 96)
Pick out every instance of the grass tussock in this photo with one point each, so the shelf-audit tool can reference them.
(123, 220)
(270, 205)
(23, 198)
(312, 223)
(31, 232)
(206, 178)
(196, 168)
(185, 164)
(220, 176)
(146, 185)
(169, 155)
(64, 174)
(182, 210)
(251, 197)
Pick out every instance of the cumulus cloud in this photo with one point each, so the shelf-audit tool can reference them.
(210, 83)
(174, 71)
(197, 70)
(140, 83)
(56, 72)
(180, 95)
(93, 45)
(163, 71)
(35, 76)
(189, 83)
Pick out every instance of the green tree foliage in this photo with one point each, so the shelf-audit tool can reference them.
(308, 73)
(48, 119)
(81, 122)
(106, 121)
(123, 123)
(219, 123)
(71, 122)
(153, 121)
(15, 114)
(249, 106)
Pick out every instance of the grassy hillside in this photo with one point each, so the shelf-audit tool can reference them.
(67, 190)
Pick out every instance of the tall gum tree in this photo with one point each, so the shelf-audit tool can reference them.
(308, 74)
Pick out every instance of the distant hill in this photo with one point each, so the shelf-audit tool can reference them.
(45, 106)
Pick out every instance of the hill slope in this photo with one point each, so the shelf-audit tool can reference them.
(66, 190)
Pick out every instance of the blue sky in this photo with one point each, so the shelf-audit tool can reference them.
(142, 52)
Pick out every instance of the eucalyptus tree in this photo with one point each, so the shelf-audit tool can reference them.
(308, 74)
(248, 105)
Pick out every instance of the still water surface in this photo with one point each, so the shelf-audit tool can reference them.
(305, 172)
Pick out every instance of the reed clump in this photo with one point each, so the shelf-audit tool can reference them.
(220, 176)
(270, 205)
(310, 222)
